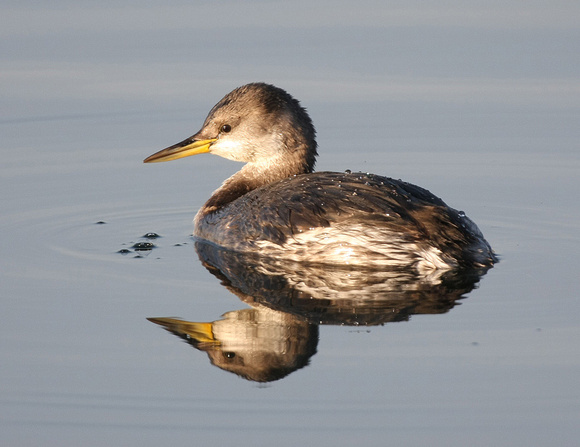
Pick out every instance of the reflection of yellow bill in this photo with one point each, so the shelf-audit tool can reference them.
(200, 332)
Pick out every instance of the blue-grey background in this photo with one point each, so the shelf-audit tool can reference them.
(478, 102)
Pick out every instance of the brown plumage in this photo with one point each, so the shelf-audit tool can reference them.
(277, 206)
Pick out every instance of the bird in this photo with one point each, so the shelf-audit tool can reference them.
(277, 206)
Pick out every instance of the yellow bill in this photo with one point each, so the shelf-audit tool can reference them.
(184, 149)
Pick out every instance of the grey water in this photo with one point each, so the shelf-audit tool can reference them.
(478, 103)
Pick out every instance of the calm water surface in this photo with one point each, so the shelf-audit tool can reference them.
(478, 105)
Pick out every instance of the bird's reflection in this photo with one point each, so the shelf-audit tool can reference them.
(279, 332)
(259, 344)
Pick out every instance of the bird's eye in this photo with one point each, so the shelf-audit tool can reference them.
(226, 128)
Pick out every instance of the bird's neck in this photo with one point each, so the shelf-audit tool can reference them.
(256, 175)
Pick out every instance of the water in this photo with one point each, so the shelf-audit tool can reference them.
(479, 105)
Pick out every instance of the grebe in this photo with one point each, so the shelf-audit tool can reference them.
(277, 206)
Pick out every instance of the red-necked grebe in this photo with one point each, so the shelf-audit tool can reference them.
(277, 206)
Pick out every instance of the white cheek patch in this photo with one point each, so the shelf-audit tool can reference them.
(230, 149)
